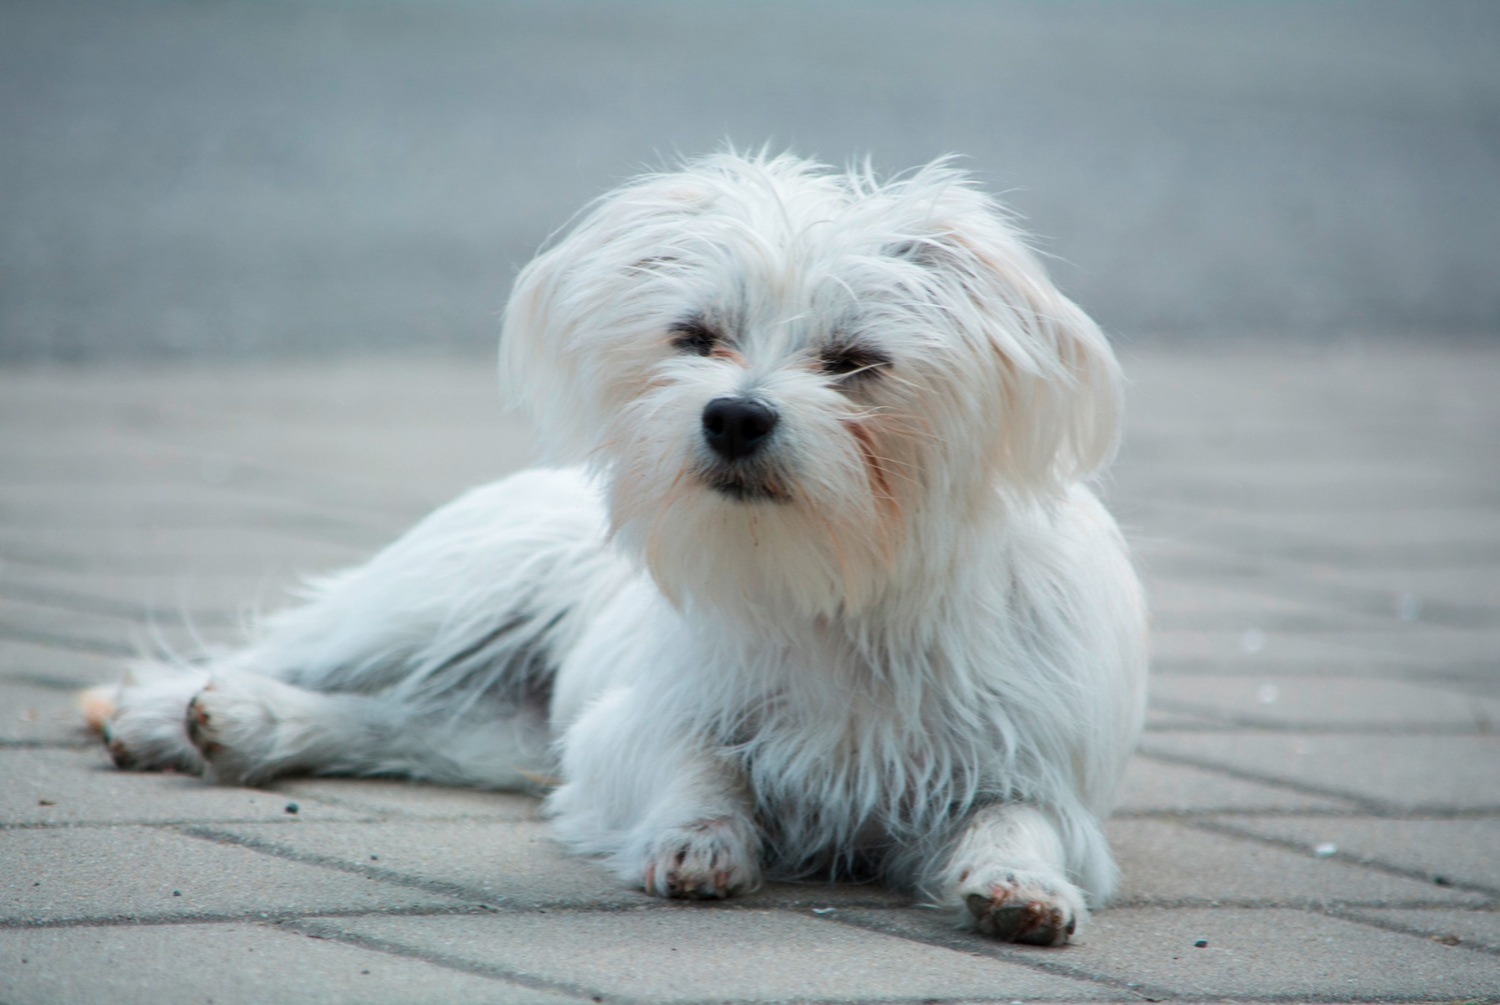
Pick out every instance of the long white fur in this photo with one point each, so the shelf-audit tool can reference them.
(927, 660)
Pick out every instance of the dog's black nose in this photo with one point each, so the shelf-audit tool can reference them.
(737, 427)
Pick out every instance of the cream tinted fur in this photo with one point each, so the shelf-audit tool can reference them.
(907, 638)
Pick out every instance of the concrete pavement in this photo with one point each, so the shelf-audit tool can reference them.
(1314, 814)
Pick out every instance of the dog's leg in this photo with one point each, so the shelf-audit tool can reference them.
(250, 729)
(431, 660)
(141, 719)
(1007, 875)
(236, 727)
(668, 815)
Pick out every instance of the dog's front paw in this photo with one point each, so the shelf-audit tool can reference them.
(1016, 905)
(715, 857)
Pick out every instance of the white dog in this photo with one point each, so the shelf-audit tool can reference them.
(827, 596)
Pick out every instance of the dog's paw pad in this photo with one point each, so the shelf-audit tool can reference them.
(1034, 923)
(119, 751)
(201, 728)
(703, 860)
(1018, 907)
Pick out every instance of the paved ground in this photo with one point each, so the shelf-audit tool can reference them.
(1317, 797)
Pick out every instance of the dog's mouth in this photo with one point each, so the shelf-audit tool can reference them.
(746, 486)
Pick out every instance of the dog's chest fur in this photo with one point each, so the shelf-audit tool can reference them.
(859, 744)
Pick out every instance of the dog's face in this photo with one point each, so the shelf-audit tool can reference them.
(798, 385)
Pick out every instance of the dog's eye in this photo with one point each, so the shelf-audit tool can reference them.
(694, 337)
(852, 361)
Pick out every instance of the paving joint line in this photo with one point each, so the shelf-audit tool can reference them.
(79, 744)
(75, 602)
(291, 484)
(1253, 722)
(1227, 723)
(72, 644)
(1004, 952)
(181, 825)
(378, 874)
(1406, 671)
(1365, 861)
(1327, 792)
(50, 681)
(484, 899)
(331, 933)
(1352, 913)
(1291, 903)
(1299, 812)
(396, 814)
(234, 917)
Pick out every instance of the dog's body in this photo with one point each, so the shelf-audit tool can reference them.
(829, 597)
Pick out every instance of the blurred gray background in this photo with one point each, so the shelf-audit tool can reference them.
(239, 180)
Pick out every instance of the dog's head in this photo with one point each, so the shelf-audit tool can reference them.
(795, 383)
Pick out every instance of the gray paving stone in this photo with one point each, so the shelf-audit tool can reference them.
(74, 787)
(185, 597)
(1340, 702)
(1380, 539)
(1254, 649)
(144, 505)
(1474, 591)
(412, 799)
(1152, 786)
(1409, 772)
(512, 863)
(243, 550)
(1465, 850)
(275, 431)
(124, 873)
(105, 633)
(1276, 954)
(1169, 863)
(1260, 954)
(226, 964)
(1329, 485)
(1434, 647)
(32, 715)
(54, 667)
(87, 459)
(1479, 928)
(147, 599)
(1156, 718)
(1196, 604)
(694, 952)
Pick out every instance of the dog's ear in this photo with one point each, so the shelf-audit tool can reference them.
(1056, 411)
(574, 308)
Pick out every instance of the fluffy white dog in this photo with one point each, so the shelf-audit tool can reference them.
(826, 596)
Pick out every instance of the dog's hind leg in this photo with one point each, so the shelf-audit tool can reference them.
(249, 729)
(431, 660)
(141, 718)
(242, 728)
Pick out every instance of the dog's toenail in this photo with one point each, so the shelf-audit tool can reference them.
(120, 755)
